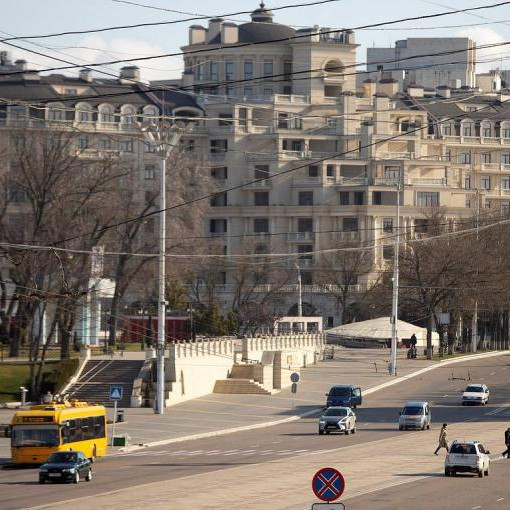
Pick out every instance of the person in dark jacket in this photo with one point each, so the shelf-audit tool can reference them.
(507, 443)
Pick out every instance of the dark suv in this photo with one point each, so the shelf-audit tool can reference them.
(65, 467)
(344, 395)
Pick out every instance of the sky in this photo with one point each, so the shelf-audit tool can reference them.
(36, 17)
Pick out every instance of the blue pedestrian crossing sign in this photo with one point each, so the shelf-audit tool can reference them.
(116, 393)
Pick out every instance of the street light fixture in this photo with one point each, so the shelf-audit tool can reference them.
(163, 138)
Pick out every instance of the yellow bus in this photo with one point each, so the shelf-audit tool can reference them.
(43, 429)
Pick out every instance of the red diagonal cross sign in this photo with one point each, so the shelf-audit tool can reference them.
(328, 484)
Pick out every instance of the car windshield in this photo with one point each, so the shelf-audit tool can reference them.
(43, 435)
(412, 411)
(463, 448)
(474, 389)
(340, 392)
(63, 457)
(335, 412)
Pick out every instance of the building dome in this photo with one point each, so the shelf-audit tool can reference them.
(262, 15)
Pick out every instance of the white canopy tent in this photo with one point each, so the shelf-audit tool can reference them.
(379, 330)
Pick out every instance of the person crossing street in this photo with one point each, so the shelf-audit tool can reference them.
(507, 443)
(442, 442)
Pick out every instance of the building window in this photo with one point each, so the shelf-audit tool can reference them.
(150, 172)
(447, 129)
(305, 225)
(330, 170)
(305, 251)
(248, 91)
(230, 91)
(243, 117)
(54, 113)
(17, 195)
(84, 116)
(148, 147)
(248, 70)
(488, 204)
(261, 171)
(505, 158)
(292, 145)
(268, 68)
(376, 198)
(427, 199)
(261, 225)
(468, 203)
(505, 132)
(313, 171)
(268, 92)
(128, 117)
(359, 198)
(350, 224)
(106, 114)
(219, 200)
(261, 198)
(218, 226)
(305, 198)
(220, 173)
(105, 143)
(225, 119)
(82, 142)
(213, 71)
(388, 225)
(486, 132)
(465, 158)
(485, 182)
(486, 157)
(229, 70)
(344, 198)
(392, 173)
(219, 146)
(126, 145)
(200, 71)
(287, 71)
(388, 252)
(505, 207)
(505, 182)
(467, 182)
(466, 130)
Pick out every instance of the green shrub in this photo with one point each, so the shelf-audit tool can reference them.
(59, 375)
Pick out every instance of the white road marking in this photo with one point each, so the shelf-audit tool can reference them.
(445, 396)
(492, 373)
(500, 499)
(476, 507)
(276, 442)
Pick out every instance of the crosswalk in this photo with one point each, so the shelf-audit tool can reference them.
(221, 453)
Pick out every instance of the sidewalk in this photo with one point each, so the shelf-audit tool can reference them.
(217, 413)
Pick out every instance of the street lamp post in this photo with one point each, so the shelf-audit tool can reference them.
(394, 312)
(163, 139)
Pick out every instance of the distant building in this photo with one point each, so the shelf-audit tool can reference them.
(489, 82)
(429, 61)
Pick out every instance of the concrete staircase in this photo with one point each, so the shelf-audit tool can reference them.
(240, 386)
(97, 376)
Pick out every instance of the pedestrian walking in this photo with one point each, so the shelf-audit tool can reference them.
(442, 442)
(507, 443)
(122, 348)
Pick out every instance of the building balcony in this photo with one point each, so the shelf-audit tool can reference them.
(291, 99)
(261, 156)
(308, 289)
(259, 184)
(352, 181)
(261, 130)
(298, 237)
(218, 156)
(259, 236)
(394, 155)
(345, 236)
(306, 181)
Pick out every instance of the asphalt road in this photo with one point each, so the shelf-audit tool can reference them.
(377, 420)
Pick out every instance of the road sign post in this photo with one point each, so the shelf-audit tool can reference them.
(115, 395)
(328, 484)
(328, 506)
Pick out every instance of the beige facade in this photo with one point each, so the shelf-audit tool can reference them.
(320, 163)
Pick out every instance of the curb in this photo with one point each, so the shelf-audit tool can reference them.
(291, 419)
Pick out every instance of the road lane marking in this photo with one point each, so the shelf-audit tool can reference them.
(476, 507)
(500, 499)
(445, 396)
(492, 373)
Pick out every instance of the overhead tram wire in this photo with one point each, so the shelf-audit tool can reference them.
(172, 22)
(248, 44)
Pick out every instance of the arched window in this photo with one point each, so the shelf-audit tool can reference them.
(486, 129)
(150, 114)
(447, 128)
(106, 114)
(334, 67)
(467, 128)
(505, 129)
(127, 115)
(56, 112)
(83, 112)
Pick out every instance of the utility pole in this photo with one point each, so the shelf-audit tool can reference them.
(394, 311)
(163, 139)
(474, 323)
(300, 292)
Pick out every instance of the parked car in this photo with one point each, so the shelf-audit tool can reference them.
(337, 419)
(344, 395)
(475, 394)
(467, 457)
(65, 467)
(415, 415)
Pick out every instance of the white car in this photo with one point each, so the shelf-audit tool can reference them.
(337, 419)
(467, 457)
(475, 394)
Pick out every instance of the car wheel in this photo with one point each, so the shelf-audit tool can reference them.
(89, 476)
(327, 432)
(41, 480)
(487, 472)
(400, 427)
(446, 472)
(76, 477)
(480, 473)
(354, 430)
(346, 432)
(321, 432)
(463, 403)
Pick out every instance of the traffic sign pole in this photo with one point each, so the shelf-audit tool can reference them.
(114, 420)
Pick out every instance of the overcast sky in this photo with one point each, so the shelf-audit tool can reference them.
(31, 17)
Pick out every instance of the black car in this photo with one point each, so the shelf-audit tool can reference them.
(65, 467)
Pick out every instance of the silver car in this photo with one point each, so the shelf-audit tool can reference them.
(337, 419)
(415, 415)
